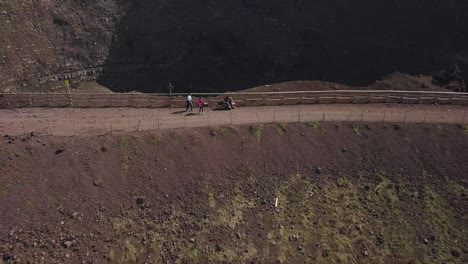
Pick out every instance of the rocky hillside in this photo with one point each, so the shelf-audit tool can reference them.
(216, 46)
(362, 193)
(45, 41)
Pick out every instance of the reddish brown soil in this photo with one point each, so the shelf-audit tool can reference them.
(352, 193)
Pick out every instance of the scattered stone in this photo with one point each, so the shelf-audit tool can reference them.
(219, 248)
(104, 148)
(238, 235)
(303, 134)
(365, 253)
(192, 240)
(344, 150)
(426, 241)
(455, 253)
(67, 256)
(97, 183)
(299, 247)
(67, 244)
(60, 150)
(140, 200)
(318, 170)
(368, 127)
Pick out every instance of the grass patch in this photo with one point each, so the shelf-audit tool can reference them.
(211, 200)
(221, 131)
(233, 214)
(314, 124)
(281, 128)
(129, 144)
(257, 132)
(126, 163)
(339, 220)
(156, 140)
(126, 248)
(356, 130)
(177, 137)
(444, 224)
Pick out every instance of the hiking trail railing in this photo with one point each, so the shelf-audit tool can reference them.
(164, 100)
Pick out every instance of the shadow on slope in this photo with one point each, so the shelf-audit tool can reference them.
(217, 46)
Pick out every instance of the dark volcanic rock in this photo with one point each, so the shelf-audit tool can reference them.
(216, 46)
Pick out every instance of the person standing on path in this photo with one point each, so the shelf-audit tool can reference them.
(201, 105)
(189, 103)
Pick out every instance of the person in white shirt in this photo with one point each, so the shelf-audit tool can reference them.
(189, 103)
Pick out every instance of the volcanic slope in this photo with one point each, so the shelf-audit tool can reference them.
(373, 193)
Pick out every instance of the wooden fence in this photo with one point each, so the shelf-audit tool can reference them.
(241, 99)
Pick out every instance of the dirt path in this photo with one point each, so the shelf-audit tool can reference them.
(87, 122)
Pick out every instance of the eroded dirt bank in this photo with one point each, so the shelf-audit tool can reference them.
(369, 192)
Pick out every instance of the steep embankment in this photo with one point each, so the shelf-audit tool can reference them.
(375, 193)
(45, 41)
(217, 46)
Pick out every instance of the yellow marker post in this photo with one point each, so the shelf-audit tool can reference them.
(67, 84)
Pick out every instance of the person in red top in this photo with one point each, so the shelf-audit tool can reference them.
(201, 105)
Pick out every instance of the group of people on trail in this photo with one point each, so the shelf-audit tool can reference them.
(201, 104)
(227, 103)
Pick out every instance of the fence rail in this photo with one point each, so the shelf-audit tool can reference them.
(115, 126)
(159, 100)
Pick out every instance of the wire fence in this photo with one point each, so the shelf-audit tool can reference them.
(158, 122)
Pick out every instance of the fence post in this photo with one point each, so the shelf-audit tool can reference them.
(274, 116)
(30, 100)
(323, 116)
(24, 129)
(157, 120)
(362, 115)
(50, 127)
(384, 115)
(138, 127)
(231, 118)
(299, 118)
(350, 112)
(464, 115)
(445, 118)
(425, 116)
(74, 128)
(406, 113)
(185, 121)
(258, 117)
(111, 128)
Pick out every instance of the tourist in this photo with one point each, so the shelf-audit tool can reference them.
(201, 105)
(189, 103)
